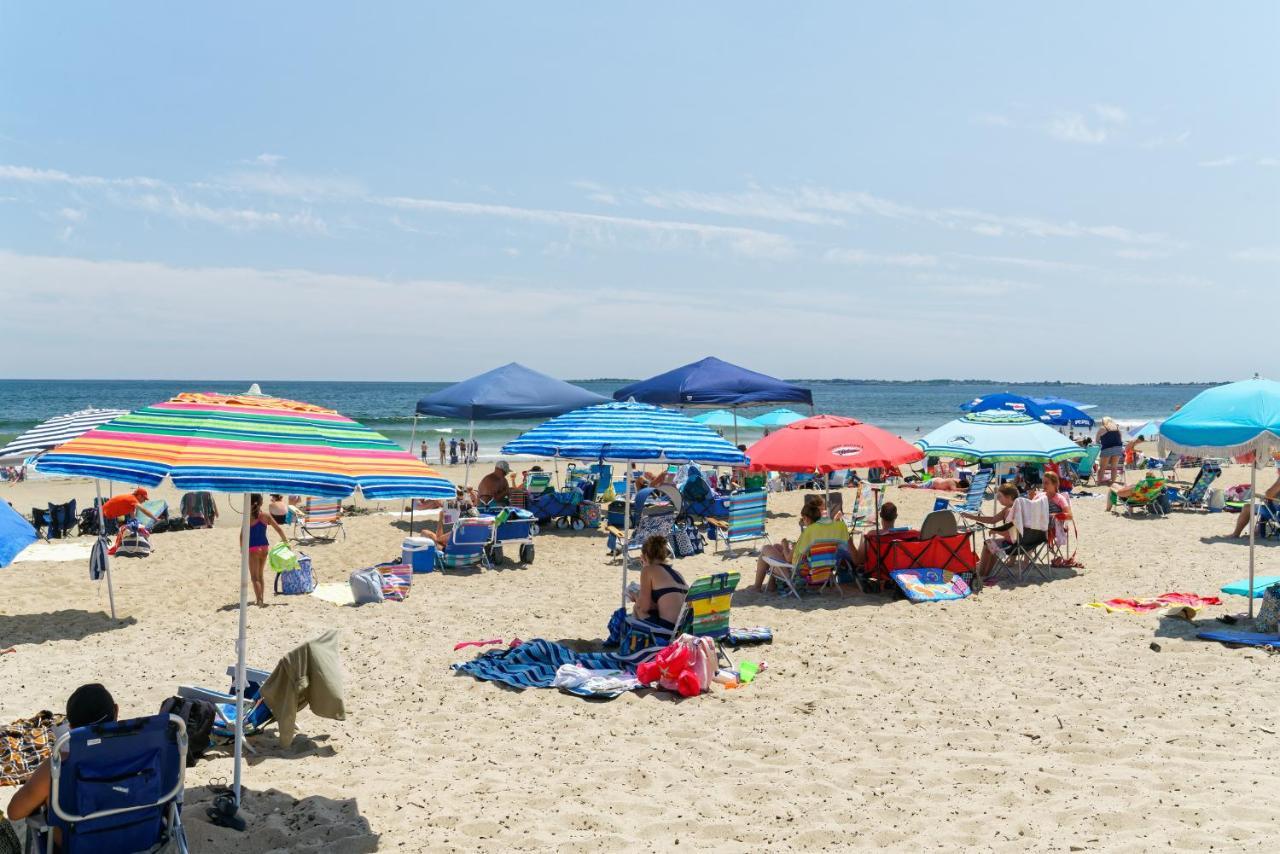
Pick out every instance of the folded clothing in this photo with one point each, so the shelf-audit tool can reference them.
(753, 635)
(585, 682)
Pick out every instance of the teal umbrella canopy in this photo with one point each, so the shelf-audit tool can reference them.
(725, 418)
(1228, 419)
(999, 436)
(778, 418)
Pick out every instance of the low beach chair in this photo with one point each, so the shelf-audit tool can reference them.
(1031, 521)
(705, 613)
(972, 501)
(469, 544)
(655, 522)
(321, 520)
(1145, 498)
(816, 569)
(257, 716)
(1197, 494)
(118, 788)
(1169, 465)
(745, 522)
(1084, 466)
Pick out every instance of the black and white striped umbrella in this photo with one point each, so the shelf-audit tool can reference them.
(54, 432)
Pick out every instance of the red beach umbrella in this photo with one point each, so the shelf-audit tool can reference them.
(827, 443)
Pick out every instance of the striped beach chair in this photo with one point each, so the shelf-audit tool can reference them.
(817, 567)
(705, 613)
(321, 519)
(469, 544)
(972, 502)
(744, 524)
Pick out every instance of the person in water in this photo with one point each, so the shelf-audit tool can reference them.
(258, 544)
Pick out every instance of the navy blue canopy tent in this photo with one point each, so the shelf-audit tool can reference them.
(511, 391)
(714, 382)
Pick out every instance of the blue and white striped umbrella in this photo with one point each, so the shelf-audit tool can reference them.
(55, 431)
(624, 432)
(999, 436)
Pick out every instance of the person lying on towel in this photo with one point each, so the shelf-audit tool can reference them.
(944, 484)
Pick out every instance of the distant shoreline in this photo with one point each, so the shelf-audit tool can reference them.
(624, 380)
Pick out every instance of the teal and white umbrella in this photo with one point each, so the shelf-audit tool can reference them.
(999, 436)
(725, 418)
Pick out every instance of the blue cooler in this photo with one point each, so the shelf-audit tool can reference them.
(419, 553)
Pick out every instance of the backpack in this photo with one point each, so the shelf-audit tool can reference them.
(366, 586)
(199, 716)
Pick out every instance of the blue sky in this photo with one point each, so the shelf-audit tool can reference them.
(424, 191)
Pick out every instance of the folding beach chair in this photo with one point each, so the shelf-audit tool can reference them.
(257, 716)
(1084, 465)
(972, 501)
(816, 569)
(537, 482)
(1027, 551)
(1146, 497)
(745, 521)
(1169, 465)
(655, 522)
(1196, 495)
(469, 544)
(321, 520)
(705, 613)
(119, 788)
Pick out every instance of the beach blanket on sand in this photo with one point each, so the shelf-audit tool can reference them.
(24, 744)
(1241, 638)
(533, 664)
(1146, 606)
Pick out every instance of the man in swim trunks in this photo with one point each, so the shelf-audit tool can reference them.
(494, 486)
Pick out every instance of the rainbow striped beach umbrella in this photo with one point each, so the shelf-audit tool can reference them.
(246, 443)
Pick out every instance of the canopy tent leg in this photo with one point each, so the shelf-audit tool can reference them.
(466, 454)
(626, 529)
(240, 645)
(102, 532)
(1253, 521)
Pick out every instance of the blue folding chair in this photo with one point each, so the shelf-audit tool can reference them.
(972, 502)
(119, 787)
(468, 544)
(257, 715)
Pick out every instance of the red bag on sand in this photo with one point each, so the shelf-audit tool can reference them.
(686, 666)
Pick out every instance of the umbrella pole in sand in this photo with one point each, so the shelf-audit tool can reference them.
(626, 528)
(1253, 521)
(466, 455)
(413, 433)
(102, 532)
(240, 644)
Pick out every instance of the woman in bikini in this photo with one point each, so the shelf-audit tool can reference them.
(662, 589)
(258, 544)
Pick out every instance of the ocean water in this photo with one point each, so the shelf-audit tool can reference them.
(909, 409)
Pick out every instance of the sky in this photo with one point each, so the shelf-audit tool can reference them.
(409, 191)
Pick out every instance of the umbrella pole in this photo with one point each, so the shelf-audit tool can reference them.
(735, 426)
(466, 455)
(102, 532)
(626, 529)
(240, 643)
(1253, 521)
(413, 434)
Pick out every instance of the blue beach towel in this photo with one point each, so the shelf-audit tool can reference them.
(534, 663)
(1242, 638)
(1260, 585)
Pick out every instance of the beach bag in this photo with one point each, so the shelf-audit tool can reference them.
(199, 716)
(589, 513)
(136, 542)
(296, 582)
(396, 580)
(1268, 619)
(685, 541)
(282, 558)
(366, 586)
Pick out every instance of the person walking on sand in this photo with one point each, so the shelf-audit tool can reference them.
(424, 450)
(1111, 459)
(453, 451)
(442, 450)
(259, 545)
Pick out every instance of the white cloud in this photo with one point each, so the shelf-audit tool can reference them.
(173, 205)
(1168, 140)
(72, 214)
(1229, 160)
(596, 192)
(288, 185)
(269, 160)
(993, 120)
(1072, 127)
(1260, 254)
(862, 257)
(1269, 161)
(1111, 114)
(29, 175)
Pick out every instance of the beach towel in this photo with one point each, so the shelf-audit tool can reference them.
(24, 744)
(1241, 638)
(1029, 515)
(1186, 603)
(930, 585)
(396, 581)
(335, 593)
(534, 663)
(747, 636)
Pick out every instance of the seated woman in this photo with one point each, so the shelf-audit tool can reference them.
(662, 589)
(1002, 534)
(814, 507)
(945, 484)
(888, 522)
(278, 508)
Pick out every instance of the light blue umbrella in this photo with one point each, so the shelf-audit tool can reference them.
(1147, 432)
(999, 436)
(626, 432)
(725, 418)
(778, 418)
(1231, 419)
(16, 534)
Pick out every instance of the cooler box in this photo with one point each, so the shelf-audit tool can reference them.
(419, 553)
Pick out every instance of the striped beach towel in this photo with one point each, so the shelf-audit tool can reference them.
(396, 580)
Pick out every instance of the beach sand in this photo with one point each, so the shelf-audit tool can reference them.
(1014, 720)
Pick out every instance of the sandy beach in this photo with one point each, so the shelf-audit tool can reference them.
(1014, 720)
